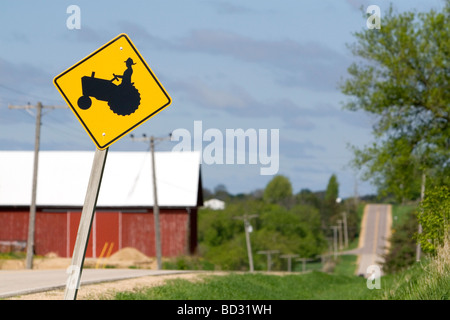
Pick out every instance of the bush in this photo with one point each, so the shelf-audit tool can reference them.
(402, 252)
(434, 217)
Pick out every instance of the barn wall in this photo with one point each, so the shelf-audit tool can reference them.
(13, 231)
(50, 233)
(56, 231)
(138, 232)
(14, 225)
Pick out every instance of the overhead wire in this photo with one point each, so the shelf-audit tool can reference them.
(29, 95)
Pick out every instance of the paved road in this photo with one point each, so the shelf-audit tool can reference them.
(375, 231)
(19, 282)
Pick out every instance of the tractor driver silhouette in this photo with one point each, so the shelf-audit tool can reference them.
(126, 77)
(123, 99)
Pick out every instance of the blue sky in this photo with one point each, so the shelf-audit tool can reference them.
(231, 64)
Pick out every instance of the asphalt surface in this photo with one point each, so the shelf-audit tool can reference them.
(373, 242)
(20, 282)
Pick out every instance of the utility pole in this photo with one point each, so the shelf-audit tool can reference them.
(344, 214)
(335, 228)
(32, 216)
(289, 257)
(152, 140)
(269, 257)
(340, 233)
(247, 226)
(422, 195)
(304, 260)
(344, 221)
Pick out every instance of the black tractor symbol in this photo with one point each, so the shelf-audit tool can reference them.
(123, 99)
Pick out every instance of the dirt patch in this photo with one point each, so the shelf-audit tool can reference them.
(128, 257)
(124, 258)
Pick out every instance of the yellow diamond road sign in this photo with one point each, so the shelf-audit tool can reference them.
(112, 91)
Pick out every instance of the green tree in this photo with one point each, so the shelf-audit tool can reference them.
(278, 190)
(307, 197)
(330, 207)
(402, 79)
(221, 192)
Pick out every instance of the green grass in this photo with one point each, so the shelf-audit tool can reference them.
(258, 286)
(346, 265)
(12, 255)
(427, 280)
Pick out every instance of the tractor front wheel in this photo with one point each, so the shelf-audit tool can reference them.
(84, 102)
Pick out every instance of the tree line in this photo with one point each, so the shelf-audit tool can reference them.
(281, 220)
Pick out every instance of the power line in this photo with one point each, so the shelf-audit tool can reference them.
(28, 95)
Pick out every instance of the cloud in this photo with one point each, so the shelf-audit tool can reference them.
(18, 37)
(309, 64)
(299, 149)
(141, 34)
(357, 119)
(227, 8)
(358, 4)
(84, 35)
(236, 100)
(23, 81)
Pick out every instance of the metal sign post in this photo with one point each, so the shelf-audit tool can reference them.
(84, 229)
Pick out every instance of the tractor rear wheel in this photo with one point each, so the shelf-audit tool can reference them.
(125, 100)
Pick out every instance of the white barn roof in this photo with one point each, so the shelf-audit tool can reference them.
(127, 179)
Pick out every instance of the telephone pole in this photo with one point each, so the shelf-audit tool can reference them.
(344, 214)
(152, 140)
(335, 229)
(37, 137)
(340, 234)
(304, 260)
(247, 226)
(269, 257)
(420, 230)
(289, 259)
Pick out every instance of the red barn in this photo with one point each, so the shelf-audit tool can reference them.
(124, 215)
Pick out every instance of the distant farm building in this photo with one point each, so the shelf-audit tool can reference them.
(214, 204)
(124, 215)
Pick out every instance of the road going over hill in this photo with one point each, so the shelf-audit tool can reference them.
(373, 240)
